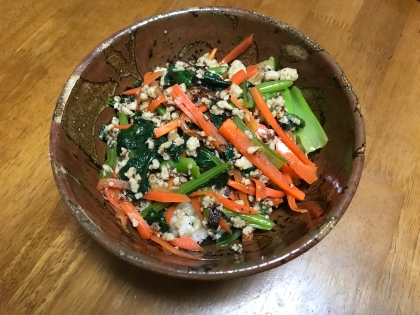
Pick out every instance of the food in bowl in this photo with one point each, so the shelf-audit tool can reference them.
(204, 149)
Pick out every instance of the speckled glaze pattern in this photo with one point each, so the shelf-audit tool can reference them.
(77, 152)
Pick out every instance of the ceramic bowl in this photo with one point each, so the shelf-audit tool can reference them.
(77, 153)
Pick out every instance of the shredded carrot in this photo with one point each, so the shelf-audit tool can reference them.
(250, 190)
(249, 118)
(131, 91)
(172, 249)
(212, 54)
(232, 196)
(112, 183)
(291, 200)
(251, 71)
(276, 201)
(224, 226)
(156, 102)
(260, 190)
(238, 77)
(149, 77)
(242, 196)
(230, 204)
(170, 212)
(122, 126)
(265, 110)
(141, 225)
(164, 196)
(238, 50)
(163, 130)
(195, 202)
(186, 243)
(112, 196)
(207, 126)
(241, 142)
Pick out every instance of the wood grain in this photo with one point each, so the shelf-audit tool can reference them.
(368, 264)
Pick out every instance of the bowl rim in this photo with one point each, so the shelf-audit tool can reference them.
(291, 251)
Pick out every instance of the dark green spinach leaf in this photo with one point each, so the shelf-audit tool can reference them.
(214, 82)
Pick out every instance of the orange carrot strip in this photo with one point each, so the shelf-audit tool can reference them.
(224, 226)
(209, 129)
(149, 77)
(230, 204)
(251, 190)
(112, 183)
(276, 201)
(122, 126)
(249, 119)
(242, 143)
(131, 91)
(260, 190)
(182, 107)
(232, 196)
(112, 196)
(291, 200)
(251, 71)
(170, 212)
(238, 50)
(172, 249)
(295, 167)
(241, 187)
(242, 196)
(195, 202)
(156, 102)
(163, 130)
(212, 54)
(138, 222)
(304, 171)
(238, 77)
(274, 193)
(265, 110)
(165, 196)
(186, 243)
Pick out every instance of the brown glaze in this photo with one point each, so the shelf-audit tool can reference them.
(76, 151)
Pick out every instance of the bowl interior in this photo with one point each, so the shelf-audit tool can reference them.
(77, 152)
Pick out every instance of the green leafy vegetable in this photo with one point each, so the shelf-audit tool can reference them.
(122, 118)
(214, 81)
(313, 136)
(229, 152)
(183, 164)
(254, 220)
(206, 160)
(191, 186)
(111, 159)
(181, 76)
(219, 70)
(155, 216)
(218, 120)
(227, 238)
(274, 86)
(135, 136)
(294, 123)
(248, 170)
(138, 83)
(141, 164)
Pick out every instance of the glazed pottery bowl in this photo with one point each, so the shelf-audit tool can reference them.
(77, 153)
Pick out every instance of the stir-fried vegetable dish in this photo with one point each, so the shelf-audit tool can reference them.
(206, 149)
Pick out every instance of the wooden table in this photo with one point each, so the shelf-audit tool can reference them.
(368, 264)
